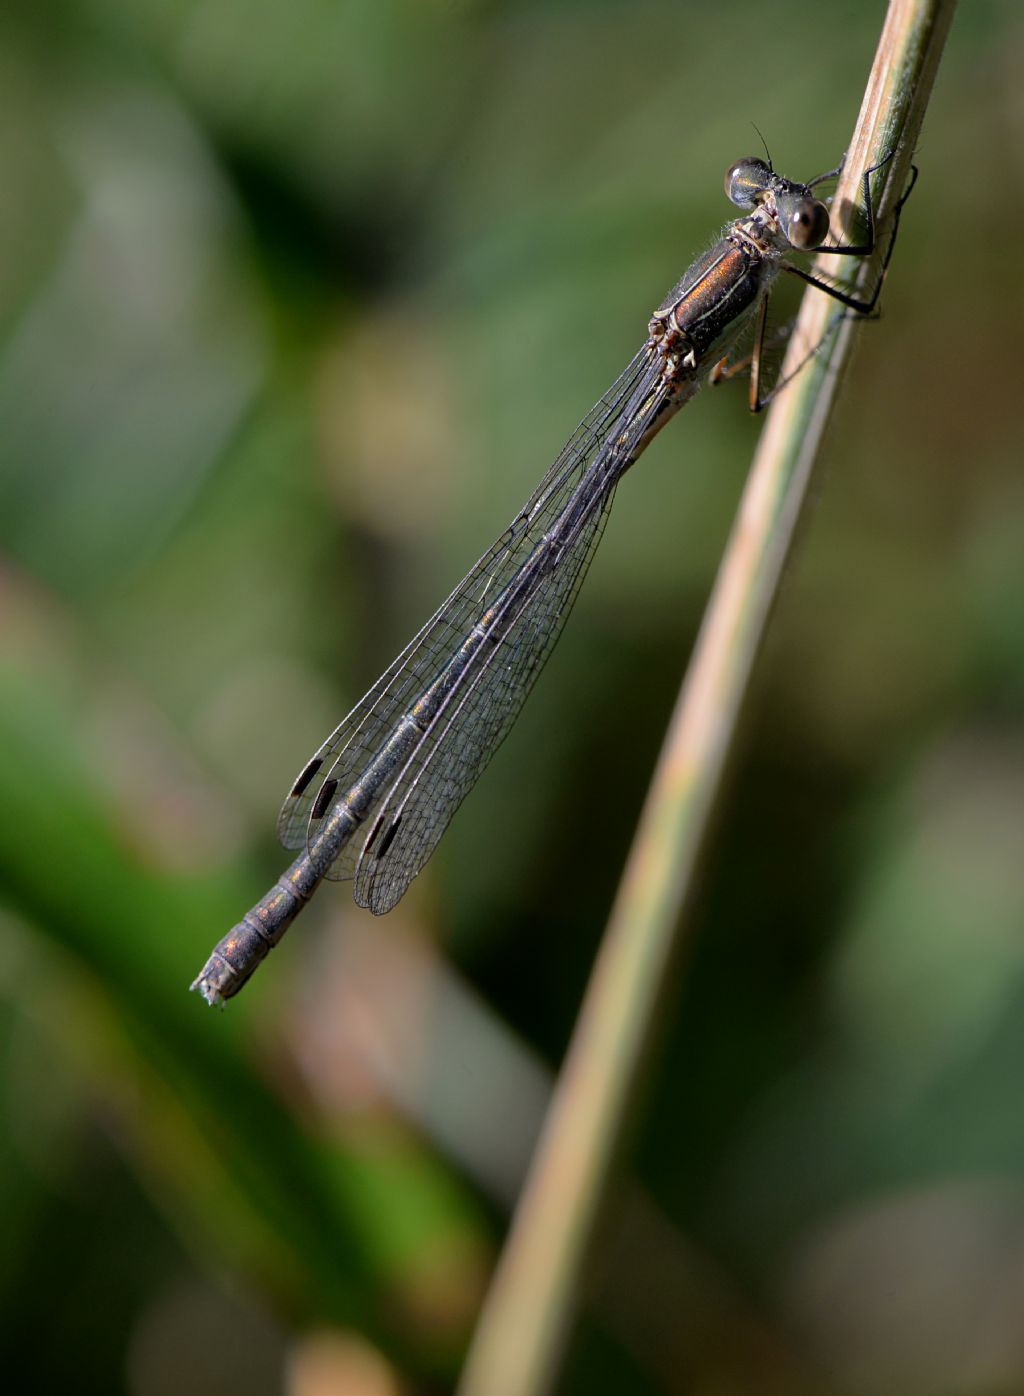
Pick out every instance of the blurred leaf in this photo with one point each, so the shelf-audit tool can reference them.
(302, 1216)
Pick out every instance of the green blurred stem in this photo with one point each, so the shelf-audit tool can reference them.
(536, 1289)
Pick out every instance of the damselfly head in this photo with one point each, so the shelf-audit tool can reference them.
(747, 182)
(804, 218)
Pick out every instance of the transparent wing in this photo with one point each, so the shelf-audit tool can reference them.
(481, 709)
(451, 757)
(350, 747)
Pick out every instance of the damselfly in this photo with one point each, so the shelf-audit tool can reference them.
(373, 802)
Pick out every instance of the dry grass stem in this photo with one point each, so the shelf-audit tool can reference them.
(541, 1273)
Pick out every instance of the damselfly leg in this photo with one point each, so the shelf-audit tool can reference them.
(862, 307)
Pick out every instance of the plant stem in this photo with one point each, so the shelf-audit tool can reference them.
(536, 1288)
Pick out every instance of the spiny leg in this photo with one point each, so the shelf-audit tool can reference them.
(752, 363)
(857, 303)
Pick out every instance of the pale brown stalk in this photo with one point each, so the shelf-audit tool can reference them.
(541, 1273)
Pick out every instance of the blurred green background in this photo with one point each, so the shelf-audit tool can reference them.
(296, 304)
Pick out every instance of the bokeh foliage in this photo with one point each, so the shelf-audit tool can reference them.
(296, 303)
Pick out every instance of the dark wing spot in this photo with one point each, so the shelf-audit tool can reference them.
(302, 784)
(389, 838)
(323, 800)
(373, 833)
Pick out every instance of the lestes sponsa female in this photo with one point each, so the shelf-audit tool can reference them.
(401, 762)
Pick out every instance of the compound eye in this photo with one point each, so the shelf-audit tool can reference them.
(805, 223)
(746, 181)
